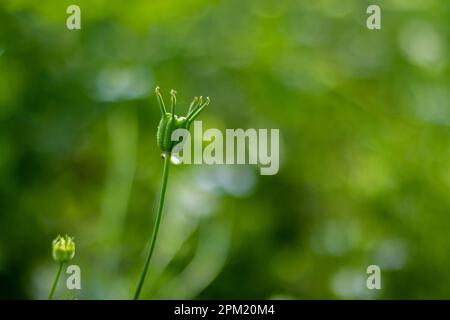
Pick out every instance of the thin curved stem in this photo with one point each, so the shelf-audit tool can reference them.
(157, 223)
(55, 282)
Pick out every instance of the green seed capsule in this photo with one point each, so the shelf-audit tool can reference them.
(170, 122)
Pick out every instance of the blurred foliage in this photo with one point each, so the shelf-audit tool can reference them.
(364, 119)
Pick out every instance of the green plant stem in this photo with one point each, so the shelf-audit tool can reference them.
(157, 223)
(55, 282)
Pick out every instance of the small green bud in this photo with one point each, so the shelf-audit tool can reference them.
(63, 249)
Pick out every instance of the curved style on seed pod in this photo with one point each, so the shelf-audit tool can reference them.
(170, 121)
(167, 125)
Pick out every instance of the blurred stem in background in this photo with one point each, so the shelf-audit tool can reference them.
(166, 156)
(207, 262)
(123, 136)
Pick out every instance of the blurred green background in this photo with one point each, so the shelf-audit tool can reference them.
(364, 121)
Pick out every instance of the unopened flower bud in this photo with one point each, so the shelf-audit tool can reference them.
(63, 249)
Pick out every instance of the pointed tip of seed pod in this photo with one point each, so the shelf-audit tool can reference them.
(207, 100)
(157, 89)
(173, 92)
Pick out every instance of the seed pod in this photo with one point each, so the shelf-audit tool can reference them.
(170, 122)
